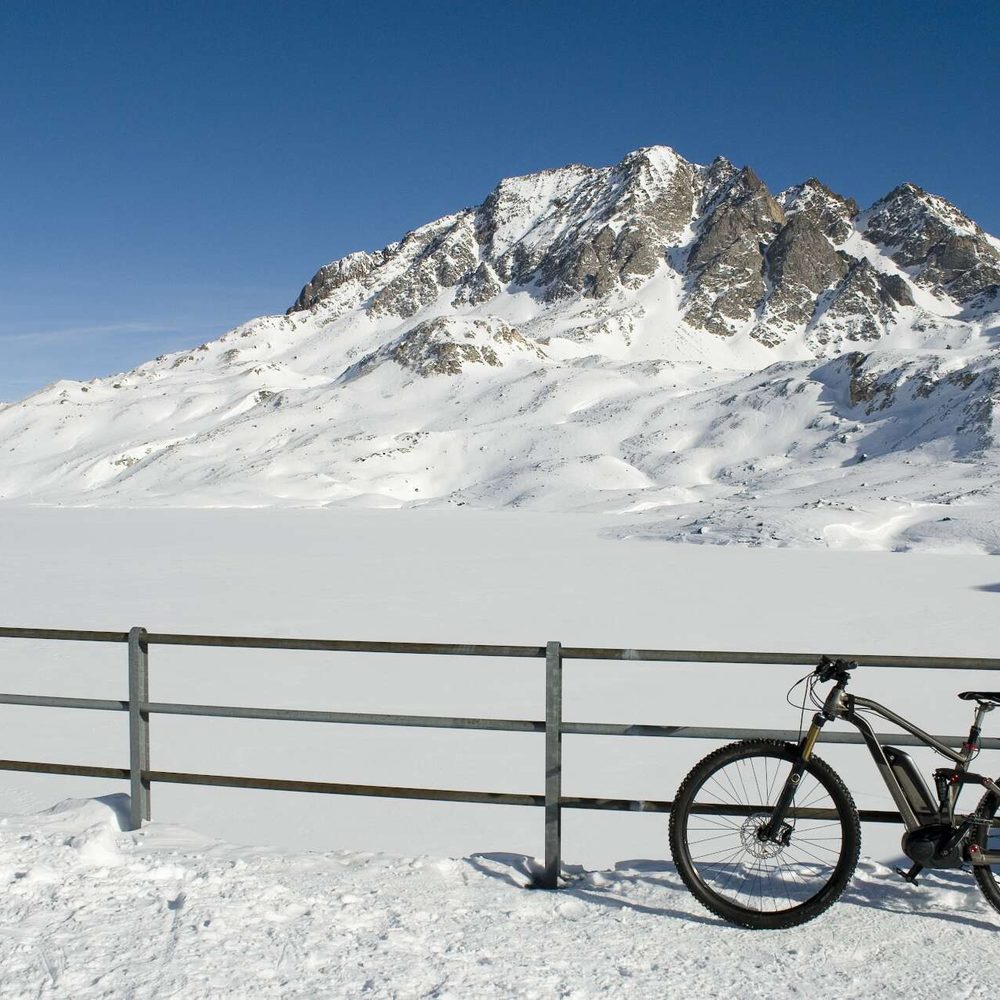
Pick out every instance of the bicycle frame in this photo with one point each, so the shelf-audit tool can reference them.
(841, 705)
(961, 758)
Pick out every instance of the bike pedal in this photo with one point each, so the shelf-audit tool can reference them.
(911, 875)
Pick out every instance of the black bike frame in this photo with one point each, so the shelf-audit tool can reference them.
(841, 705)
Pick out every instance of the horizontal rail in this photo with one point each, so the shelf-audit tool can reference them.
(466, 649)
(428, 794)
(656, 806)
(342, 645)
(487, 725)
(346, 718)
(72, 635)
(78, 770)
(775, 659)
(724, 733)
(279, 784)
(336, 788)
(45, 701)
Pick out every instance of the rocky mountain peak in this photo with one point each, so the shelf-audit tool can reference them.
(831, 213)
(782, 269)
(948, 252)
(713, 179)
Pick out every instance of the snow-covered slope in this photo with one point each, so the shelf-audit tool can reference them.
(89, 911)
(629, 338)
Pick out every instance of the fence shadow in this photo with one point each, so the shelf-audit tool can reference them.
(611, 889)
(598, 888)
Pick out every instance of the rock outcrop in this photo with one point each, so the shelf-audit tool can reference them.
(726, 262)
(949, 253)
(802, 269)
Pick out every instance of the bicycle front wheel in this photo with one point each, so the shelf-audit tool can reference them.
(719, 810)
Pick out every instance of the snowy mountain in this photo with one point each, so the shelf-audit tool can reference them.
(655, 337)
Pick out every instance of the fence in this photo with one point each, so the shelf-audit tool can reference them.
(141, 776)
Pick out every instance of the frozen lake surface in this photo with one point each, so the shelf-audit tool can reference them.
(450, 576)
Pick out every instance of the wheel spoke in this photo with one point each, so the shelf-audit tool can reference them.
(735, 863)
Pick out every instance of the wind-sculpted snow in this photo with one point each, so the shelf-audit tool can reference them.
(634, 339)
(88, 910)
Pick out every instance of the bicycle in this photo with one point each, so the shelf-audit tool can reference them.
(766, 835)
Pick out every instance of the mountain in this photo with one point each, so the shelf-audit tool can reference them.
(655, 337)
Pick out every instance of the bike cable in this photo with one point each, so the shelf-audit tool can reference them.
(809, 681)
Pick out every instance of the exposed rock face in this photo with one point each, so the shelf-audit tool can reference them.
(610, 229)
(863, 307)
(926, 232)
(795, 268)
(801, 263)
(438, 260)
(966, 397)
(446, 346)
(478, 286)
(826, 210)
(712, 180)
(354, 267)
(727, 260)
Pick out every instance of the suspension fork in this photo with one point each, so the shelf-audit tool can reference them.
(776, 828)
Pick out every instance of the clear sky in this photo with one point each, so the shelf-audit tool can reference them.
(169, 170)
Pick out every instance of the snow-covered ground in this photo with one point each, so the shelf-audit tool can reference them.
(452, 576)
(89, 911)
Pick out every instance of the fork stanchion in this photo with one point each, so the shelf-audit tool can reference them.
(138, 726)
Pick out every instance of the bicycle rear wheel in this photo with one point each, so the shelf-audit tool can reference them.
(719, 809)
(987, 838)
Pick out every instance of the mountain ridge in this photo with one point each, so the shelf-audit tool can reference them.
(581, 340)
(731, 206)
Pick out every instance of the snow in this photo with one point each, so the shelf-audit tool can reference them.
(450, 576)
(87, 910)
(549, 431)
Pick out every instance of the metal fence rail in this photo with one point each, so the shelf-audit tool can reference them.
(141, 775)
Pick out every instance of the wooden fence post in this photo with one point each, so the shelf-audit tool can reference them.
(553, 767)
(138, 725)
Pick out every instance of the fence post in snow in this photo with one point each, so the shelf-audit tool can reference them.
(138, 725)
(553, 766)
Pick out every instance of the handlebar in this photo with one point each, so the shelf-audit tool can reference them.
(829, 670)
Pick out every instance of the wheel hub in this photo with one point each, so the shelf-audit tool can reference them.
(752, 836)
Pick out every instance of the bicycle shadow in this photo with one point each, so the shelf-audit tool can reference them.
(918, 900)
(610, 889)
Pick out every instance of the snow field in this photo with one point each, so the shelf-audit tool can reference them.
(89, 911)
(499, 577)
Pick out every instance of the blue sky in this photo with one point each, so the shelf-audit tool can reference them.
(172, 169)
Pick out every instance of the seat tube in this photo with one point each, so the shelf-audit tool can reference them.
(971, 746)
